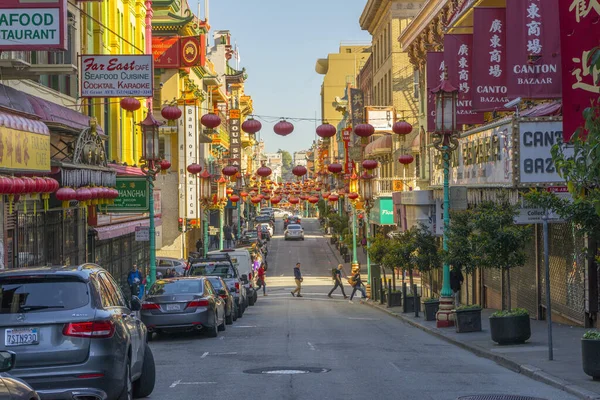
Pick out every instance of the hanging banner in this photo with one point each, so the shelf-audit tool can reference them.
(188, 154)
(489, 75)
(357, 106)
(435, 74)
(458, 57)
(579, 86)
(166, 51)
(533, 50)
(193, 51)
(118, 75)
(235, 145)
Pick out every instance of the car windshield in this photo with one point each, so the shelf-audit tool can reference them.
(251, 234)
(216, 282)
(38, 294)
(294, 227)
(221, 270)
(162, 286)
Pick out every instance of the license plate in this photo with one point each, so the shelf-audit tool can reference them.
(21, 336)
(173, 307)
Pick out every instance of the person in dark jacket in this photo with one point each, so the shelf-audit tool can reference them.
(298, 279)
(456, 280)
(337, 278)
(357, 285)
(134, 280)
(199, 245)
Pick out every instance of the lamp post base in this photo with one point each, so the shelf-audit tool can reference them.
(355, 267)
(445, 315)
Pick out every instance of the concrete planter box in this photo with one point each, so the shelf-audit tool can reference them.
(431, 309)
(590, 356)
(510, 330)
(468, 320)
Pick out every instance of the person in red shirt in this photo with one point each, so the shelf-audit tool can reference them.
(261, 278)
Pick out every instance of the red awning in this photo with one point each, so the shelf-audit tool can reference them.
(123, 170)
(57, 116)
(543, 110)
(23, 124)
(116, 230)
(382, 144)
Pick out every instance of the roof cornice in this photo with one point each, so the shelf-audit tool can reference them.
(429, 11)
(367, 18)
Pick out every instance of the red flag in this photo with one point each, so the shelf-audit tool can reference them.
(458, 58)
(533, 56)
(435, 74)
(578, 27)
(489, 72)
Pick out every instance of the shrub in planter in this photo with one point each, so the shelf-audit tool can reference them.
(432, 306)
(510, 327)
(468, 318)
(590, 354)
(394, 298)
(409, 303)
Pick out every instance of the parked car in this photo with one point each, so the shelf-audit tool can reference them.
(279, 213)
(242, 260)
(265, 233)
(65, 321)
(12, 388)
(292, 219)
(184, 304)
(247, 238)
(267, 227)
(227, 271)
(224, 293)
(264, 219)
(164, 263)
(294, 231)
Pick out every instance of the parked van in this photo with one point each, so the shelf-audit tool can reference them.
(242, 259)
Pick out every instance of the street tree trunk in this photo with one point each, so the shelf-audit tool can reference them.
(508, 297)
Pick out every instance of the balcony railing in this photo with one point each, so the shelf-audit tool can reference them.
(386, 186)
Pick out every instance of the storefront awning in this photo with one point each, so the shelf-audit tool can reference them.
(116, 230)
(124, 170)
(380, 145)
(60, 117)
(17, 122)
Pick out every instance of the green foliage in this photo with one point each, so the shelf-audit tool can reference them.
(431, 300)
(593, 335)
(469, 307)
(426, 255)
(338, 223)
(377, 249)
(515, 312)
(286, 159)
(462, 252)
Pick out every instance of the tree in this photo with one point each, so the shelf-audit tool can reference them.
(461, 253)
(286, 159)
(426, 255)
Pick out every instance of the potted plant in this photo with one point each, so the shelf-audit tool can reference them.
(394, 298)
(500, 244)
(590, 353)
(432, 305)
(468, 318)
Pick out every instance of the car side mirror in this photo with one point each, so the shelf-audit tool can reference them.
(136, 304)
(7, 360)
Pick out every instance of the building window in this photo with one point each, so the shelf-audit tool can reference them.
(416, 83)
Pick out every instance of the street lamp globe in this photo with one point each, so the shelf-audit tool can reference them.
(353, 183)
(149, 126)
(366, 186)
(222, 188)
(205, 185)
(446, 97)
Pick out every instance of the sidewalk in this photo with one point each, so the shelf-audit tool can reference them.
(530, 359)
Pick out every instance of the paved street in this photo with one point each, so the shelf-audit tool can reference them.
(360, 352)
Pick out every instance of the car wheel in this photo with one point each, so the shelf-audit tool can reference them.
(149, 336)
(255, 296)
(144, 386)
(239, 311)
(251, 300)
(229, 318)
(127, 392)
(222, 327)
(302, 238)
(212, 331)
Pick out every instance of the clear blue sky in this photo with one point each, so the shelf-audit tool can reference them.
(279, 42)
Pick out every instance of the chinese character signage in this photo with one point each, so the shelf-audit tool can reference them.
(235, 144)
(435, 74)
(489, 75)
(193, 51)
(188, 154)
(458, 59)
(579, 34)
(533, 56)
(116, 75)
(33, 25)
(357, 106)
(21, 150)
(166, 51)
(133, 195)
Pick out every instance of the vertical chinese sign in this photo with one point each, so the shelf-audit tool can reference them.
(235, 145)
(357, 106)
(489, 75)
(435, 75)
(346, 133)
(188, 154)
(533, 54)
(458, 58)
(580, 86)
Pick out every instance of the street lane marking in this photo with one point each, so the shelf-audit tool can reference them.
(397, 368)
(178, 382)
(224, 354)
(311, 346)
(244, 326)
(204, 355)
(363, 319)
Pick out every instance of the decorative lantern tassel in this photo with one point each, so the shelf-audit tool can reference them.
(35, 208)
(25, 207)
(11, 198)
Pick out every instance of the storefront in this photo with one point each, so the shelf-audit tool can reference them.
(414, 208)
(381, 216)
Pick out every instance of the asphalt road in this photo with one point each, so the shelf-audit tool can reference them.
(357, 352)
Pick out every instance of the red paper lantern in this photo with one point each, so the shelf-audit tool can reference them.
(244, 195)
(276, 200)
(65, 195)
(335, 168)
(294, 200)
(353, 196)
(230, 170)
(234, 198)
(211, 121)
(229, 191)
(130, 104)
(251, 126)
(193, 168)
(170, 113)
(264, 171)
(40, 185)
(326, 130)
(313, 199)
(255, 200)
(18, 186)
(303, 197)
(333, 197)
(164, 165)
(283, 128)
(364, 130)
(299, 170)
(402, 128)
(83, 195)
(6, 185)
(406, 159)
(370, 164)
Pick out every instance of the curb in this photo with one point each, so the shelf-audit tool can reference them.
(524, 369)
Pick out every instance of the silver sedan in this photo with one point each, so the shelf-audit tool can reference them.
(294, 231)
(184, 304)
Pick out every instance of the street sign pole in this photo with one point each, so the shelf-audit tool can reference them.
(547, 273)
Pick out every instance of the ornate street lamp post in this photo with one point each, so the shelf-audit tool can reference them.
(353, 196)
(151, 165)
(366, 192)
(222, 201)
(205, 197)
(445, 139)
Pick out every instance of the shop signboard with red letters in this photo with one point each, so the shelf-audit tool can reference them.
(489, 72)
(533, 49)
(33, 25)
(116, 75)
(458, 59)
(579, 35)
(166, 51)
(435, 74)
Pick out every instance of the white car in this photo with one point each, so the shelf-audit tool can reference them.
(267, 227)
(294, 231)
(279, 213)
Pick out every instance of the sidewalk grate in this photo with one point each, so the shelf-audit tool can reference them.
(498, 397)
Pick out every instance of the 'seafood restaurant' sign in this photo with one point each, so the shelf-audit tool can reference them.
(33, 25)
(116, 75)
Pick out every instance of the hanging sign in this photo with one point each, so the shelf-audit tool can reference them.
(133, 195)
(536, 141)
(235, 144)
(117, 75)
(188, 154)
(166, 51)
(578, 19)
(357, 106)
(533, 51)
(489, 72)
(435, 75)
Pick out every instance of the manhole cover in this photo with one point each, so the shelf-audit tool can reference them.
(498, 397)
(287, 370)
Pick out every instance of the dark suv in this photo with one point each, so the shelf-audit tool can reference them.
(74, 333)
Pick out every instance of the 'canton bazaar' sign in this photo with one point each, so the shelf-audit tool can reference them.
(33, 25)
(116, 75)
